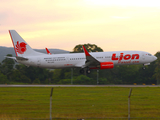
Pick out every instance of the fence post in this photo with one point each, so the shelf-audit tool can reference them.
(51, 104)
(71, 76)
(97, 76)
(129, 103)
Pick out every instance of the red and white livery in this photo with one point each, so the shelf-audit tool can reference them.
(95, 60)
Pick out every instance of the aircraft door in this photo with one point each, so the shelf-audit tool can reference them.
(143, 56)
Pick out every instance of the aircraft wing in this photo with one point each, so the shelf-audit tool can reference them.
(21, 58)
(90, 60)
(14, 58)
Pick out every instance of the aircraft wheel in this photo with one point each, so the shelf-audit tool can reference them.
(88, 71)
(143, 67)
(81, 71)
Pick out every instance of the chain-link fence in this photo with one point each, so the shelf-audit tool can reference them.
(73, 103)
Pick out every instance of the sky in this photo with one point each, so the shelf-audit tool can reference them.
(113, 25)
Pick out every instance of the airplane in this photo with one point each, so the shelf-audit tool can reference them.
(86, 61)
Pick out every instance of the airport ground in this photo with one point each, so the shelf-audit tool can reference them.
(28, 102)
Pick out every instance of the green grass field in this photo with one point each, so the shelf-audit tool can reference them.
(78, 102)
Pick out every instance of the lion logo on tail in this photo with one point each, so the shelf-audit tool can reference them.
(21, 47)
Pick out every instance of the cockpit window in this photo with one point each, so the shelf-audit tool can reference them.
(149, 54)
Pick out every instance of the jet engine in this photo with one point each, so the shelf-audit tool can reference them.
(106, 65)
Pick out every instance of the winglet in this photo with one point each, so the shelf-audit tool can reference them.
(48, 52)
(85, 51)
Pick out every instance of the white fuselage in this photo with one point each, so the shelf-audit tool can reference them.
(78, 59)
(96, 60)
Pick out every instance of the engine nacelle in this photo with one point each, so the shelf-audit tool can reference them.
(106, 65)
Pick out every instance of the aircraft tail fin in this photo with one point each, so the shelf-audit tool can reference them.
(21, 48)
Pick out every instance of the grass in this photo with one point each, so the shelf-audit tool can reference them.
(78, 102)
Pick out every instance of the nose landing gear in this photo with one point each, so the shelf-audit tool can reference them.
(88, 71)
(143, 67)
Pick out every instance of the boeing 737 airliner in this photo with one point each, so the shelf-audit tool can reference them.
(95, 60)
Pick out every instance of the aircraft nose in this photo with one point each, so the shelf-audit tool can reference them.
(154, 58)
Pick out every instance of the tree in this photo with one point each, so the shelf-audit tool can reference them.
(3, 78)
(35, 72)
(56, 76)
(7, 65)
(103, 81)
(89, 47)
(157, 68)
(36, 81)
(18, 76)
(82, 79)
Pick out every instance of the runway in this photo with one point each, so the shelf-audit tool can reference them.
(4, 85)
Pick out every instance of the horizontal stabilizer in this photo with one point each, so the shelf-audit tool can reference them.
(14, 58)
(17, 58)
(21, 58)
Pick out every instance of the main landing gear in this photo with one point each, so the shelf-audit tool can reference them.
(87, 71)
(81, 71)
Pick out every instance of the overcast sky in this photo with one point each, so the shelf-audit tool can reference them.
(112, 25)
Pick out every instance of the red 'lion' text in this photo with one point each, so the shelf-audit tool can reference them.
(125, 57)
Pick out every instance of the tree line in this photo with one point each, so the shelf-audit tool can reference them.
(13, 73)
